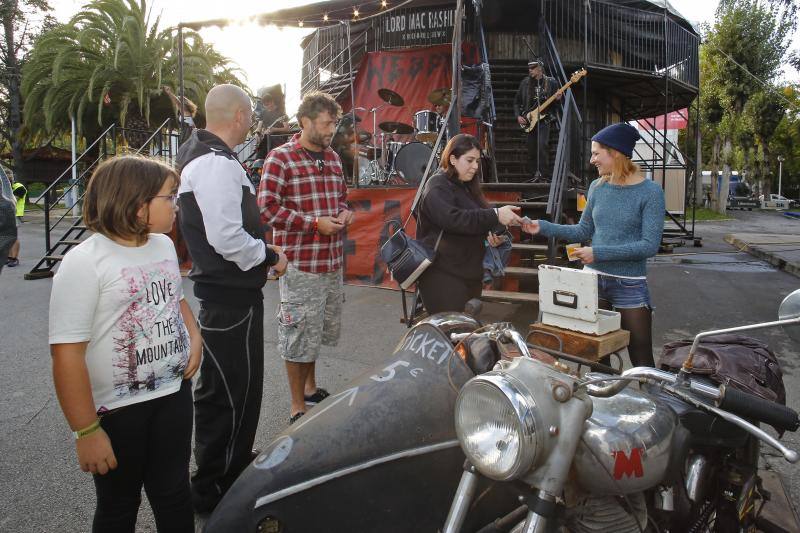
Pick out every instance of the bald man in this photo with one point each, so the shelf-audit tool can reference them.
(220, 221)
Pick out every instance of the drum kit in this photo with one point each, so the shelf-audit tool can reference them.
(402, 151)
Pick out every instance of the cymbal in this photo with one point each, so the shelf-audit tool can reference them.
(391, 97)
(396, 127)
(364, 137)
(347, 118)
(441, 96)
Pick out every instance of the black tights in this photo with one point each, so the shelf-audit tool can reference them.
(639, 322)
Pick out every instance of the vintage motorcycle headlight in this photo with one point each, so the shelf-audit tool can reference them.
(496, 426)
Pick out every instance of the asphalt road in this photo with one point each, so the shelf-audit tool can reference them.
(43, 489)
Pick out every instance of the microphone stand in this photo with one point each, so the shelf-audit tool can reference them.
(356, 143)
(376, 167)
(538, 175)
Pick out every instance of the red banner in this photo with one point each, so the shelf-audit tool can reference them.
(677, 120)
(412, 73)
(363, 239)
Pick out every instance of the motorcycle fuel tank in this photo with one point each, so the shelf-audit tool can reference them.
(626, 444)
(380, 455)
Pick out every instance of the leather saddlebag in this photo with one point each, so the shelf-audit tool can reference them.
(741, 362)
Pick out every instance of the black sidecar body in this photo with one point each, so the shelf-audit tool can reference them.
(380, 455)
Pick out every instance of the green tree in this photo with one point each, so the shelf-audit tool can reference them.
(22, 20)
(108, 64)
(762, 115)
(743, 51)
(785, 142)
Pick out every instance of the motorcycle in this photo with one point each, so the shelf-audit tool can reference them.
(591, 454)
(544, 447)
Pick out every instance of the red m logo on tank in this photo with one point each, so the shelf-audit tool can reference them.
(625, 465)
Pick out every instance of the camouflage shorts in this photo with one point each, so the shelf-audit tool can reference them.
(309, 313)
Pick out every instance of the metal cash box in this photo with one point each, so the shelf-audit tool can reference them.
(568, 300)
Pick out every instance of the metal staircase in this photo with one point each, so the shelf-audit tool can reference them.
(64, 228)
(548, 197)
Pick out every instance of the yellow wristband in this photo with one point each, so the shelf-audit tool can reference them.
(88, 430)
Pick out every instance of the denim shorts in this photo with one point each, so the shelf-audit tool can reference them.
(623, 293)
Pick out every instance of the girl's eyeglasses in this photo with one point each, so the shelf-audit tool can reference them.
(173, 198)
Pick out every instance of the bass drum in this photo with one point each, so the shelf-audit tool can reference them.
(411, 160)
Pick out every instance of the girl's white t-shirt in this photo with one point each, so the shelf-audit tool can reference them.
(125, 301)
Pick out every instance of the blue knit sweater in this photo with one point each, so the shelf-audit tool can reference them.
(624, 222)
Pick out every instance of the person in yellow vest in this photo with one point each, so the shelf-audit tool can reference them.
(21, 195)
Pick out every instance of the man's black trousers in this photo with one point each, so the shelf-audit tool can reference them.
(227, 398)
(537, 142)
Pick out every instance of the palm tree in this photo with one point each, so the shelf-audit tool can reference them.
(108, 64)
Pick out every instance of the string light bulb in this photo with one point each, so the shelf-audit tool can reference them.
(325, 17)
(384, 4)
(300, 23)
(355, 12)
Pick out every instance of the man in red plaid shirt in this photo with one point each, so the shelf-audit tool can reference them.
(303, 197)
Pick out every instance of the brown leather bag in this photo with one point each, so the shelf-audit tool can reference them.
(742, 362)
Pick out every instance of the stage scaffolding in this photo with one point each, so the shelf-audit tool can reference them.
(642, 59)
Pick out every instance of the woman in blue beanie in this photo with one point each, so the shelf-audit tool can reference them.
(624, 219)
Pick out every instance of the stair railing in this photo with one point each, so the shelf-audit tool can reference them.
(484, 55)
(49, 198)
(100, 149)
(314, 83)
(156, 147)
(567, 161)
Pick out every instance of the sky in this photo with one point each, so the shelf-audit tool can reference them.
(269, 55)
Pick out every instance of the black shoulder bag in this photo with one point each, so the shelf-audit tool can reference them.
(408, 258)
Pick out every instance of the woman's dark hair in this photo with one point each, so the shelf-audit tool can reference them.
(118, 189)
(456, 147)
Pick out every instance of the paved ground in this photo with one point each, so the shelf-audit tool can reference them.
(43, 490)
(782, 251)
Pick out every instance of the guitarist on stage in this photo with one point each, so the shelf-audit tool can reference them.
(532, 92)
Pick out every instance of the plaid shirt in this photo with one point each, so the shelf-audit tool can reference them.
(292, 193)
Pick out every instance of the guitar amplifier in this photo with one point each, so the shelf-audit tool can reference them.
(568, 300)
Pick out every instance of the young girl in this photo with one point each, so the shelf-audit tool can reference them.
(624, 218)
(124, 344)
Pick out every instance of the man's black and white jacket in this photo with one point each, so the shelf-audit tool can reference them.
(220, 222)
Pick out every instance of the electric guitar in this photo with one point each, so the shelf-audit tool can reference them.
(535, 115)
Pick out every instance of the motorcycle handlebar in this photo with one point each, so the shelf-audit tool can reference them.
(608, 386)
(747, 405)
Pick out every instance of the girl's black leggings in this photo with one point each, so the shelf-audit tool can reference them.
(152, 444)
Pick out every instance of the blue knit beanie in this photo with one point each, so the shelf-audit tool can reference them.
(621, 137)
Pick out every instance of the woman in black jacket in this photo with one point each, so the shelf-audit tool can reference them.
(453, 204)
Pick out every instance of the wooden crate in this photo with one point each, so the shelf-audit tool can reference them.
(590, 347)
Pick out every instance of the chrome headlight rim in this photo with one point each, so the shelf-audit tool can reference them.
(519, 398)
